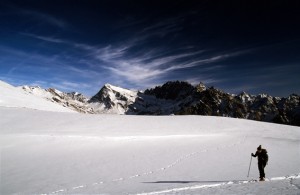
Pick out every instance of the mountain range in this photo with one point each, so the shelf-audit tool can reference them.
(178, 98)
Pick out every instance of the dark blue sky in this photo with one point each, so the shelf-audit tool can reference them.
(251, 46)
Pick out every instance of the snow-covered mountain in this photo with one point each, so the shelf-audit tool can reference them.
(178, 98)
(15, 97)
(112, 99)
(74, 101)
(181, 98)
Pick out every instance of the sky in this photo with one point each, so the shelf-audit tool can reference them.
(80, 45)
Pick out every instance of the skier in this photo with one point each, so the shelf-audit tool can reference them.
(262, 158)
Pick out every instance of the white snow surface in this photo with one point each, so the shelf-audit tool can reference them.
(69, 153)
(11, 96)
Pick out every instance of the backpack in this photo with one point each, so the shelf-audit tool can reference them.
(264, 155)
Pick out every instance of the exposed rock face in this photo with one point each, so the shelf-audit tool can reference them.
(200, 100)
(214, 102)
(171, 90)
(112, 99)
(180, 98)
(116, 100)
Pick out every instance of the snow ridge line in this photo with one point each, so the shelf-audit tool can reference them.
(182, 189)
(291, 178)
(184, 157)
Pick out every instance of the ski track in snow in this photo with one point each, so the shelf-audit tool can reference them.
(174, 190)
(165, 168)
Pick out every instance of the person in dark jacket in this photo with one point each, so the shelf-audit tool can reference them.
(262, 158)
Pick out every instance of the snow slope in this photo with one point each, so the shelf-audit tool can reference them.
(65, 153)
(74, 101)
(16, 97)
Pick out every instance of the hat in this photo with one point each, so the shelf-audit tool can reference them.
(259, 147)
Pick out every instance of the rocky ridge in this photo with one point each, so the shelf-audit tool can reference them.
(180, 98)
(112, 99)
(75, 101)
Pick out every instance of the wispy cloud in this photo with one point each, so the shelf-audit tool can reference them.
(50, 19)
(203, 61)
(151, 65)
(33, 67)
(45, 38)
(70, 86)
(161, 28)
(131, 61)
(123, 60)
(205, 80)
(147, 67)
(82, 72)
(33, 15)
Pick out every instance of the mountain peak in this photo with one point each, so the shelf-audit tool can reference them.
(113, 99)
(117, 89)
(107, 85)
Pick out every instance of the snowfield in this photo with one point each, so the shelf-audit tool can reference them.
(47, 151)
(65, 153)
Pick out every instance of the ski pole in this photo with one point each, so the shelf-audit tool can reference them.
(249, 166)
